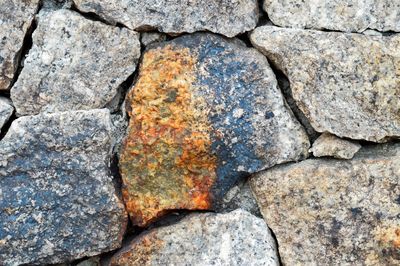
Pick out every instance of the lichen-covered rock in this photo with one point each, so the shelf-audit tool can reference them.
(6, 111)
(58, 201)
(330, 212)
(227, 17)
(330, 145)
(16, 17)
(236, 238)
(204, 112)
(341, 15)
(345, 84)
(74, 64)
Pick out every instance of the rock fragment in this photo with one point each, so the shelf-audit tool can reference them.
(147, 38)
(204, 112)
(330, 145)
(6, 111)
(58, 201)
(226, 17)
(16, 17)
(345, 84)
(74, 64)
(236, 238)
(328, 212)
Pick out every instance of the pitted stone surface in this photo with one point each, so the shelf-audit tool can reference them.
(6, 111)
(345, 84)
(16, 17)
(226, 17)
(57, 198)
(341, 15)
(330, 145)
(329, 212)
(236, 238)
(74, 64)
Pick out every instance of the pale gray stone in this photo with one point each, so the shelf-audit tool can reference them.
(151, 37)
(58, 201)
(330, 145)
(74, 64)
(341, 15)
(227, 17)
(16, 17)
(335, 212)
(6, 111)
(236, 238)
(345, 84)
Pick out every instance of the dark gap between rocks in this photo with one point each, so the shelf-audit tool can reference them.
(94, 17)
(277, 246)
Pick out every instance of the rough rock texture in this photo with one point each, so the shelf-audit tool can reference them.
(147, 38)
(6, 111)
(205, 112)
(227, 17)
(58, 201)
(345, 84)
(330, 145)
(329, 212)
(342, 15)
(16, 17)
(74, 64)
(236, 238)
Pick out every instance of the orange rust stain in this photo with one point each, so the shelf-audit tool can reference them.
(166, 160)
(390, 236)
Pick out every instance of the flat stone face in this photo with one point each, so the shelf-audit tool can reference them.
(236, 238)
(74, 64)
(16, 17)
(341, 15)
(345, 84)
(6, 111)
(330, 145)
(205, 111)
(329, 212)
(226, 17)
(58, 201)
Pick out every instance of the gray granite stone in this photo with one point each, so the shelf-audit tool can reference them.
(330, 145)
(6, 111)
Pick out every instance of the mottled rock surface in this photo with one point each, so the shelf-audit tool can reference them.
(345, 84)
(74, 64)
(6, 111)
(16, 17)
(330, 212)
(341, 15)
(330, 145)
(58, 201)
(147, 38)
(236, 238)
(205, 111)
(226, 17)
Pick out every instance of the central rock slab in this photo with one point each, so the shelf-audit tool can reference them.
(205, 111)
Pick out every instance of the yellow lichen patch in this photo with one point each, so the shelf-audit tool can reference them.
(389, 236)
(166, 161)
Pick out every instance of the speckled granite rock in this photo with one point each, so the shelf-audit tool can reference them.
(205, 111)
(6, 111)
(341, 15)
(345, 84)
(74, 64)
(58, 201)
(16, 17)
(147, 38)
(330, 212)
(330, 145)
(236, 238)
(227, 17)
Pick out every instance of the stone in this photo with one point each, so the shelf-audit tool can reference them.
(236, 238)
(16, 18)
(330, 145)
(74, 64)
(226, 17)
(330, 212)
(6, 111)
(205, 112)
(58, 201)
(345, 84)
(340, 15)
(147, 38)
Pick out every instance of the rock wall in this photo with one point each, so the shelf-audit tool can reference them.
(219, 132)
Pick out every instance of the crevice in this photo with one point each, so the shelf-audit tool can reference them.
(277, 245)
(4, 130)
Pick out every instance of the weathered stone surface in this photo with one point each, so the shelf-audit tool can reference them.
(16, 17)
(6, 111)
(330, 145)
(205, 112)
(330, 212)
(342, 15)
(227, 17)
(58, 201)
(74, 64)
(236, 238)
(345, 84)
(147, 38)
